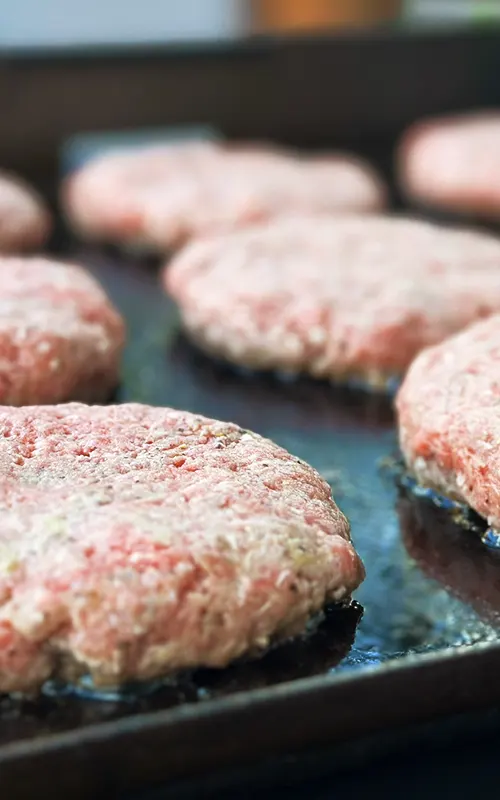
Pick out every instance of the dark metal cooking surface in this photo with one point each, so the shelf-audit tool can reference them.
(368, 668)
(346, 435)
(349, 437)
(389, 659)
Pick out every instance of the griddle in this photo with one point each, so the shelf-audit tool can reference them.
(414, 647)
(407, 650)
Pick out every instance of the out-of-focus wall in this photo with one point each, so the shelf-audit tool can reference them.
(444, 11)
(317, 14)
(41, 22)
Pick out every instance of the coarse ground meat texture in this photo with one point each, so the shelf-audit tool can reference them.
(453, 163)
(60, 337)
(24, 220)
(336, 298)
(138, 541)
(163, 196)
(449, 418)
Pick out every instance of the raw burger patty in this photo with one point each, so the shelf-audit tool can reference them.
(163, 196)
(335, 298)
(449, 418)
(454, 163)
(60, 337)
(24, 220)
(137, 541)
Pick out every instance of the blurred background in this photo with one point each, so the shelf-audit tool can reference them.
(309, 73)
(28, 23)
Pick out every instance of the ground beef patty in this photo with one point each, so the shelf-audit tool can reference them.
(454, 163)
(60, 337)
(335, 298)
(163, 196)
(24, 220)
(137, 541)
(449, 418)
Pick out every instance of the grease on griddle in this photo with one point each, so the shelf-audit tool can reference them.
(459, 513)
(444, 549)
(61, 708)
(344, 434)
(320, 402)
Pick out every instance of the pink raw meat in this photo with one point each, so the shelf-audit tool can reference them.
(138, 541)
(60, 337)
(336, 298)
(162, 196)
(449, 418)
(454, 163)
(24, 219)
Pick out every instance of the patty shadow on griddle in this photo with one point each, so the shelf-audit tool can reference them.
(286, 401)
(451, 552)
(315, 653)
(450, 218)
(128, 257)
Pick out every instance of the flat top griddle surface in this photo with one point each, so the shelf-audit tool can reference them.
(349, 437)
(391, 658)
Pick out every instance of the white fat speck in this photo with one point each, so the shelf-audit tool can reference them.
(317, 336)
(182, 569)
(43, 347)
(292, 342)
(283, 577)
(150, 579)
(37, 618)
(54, 364)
